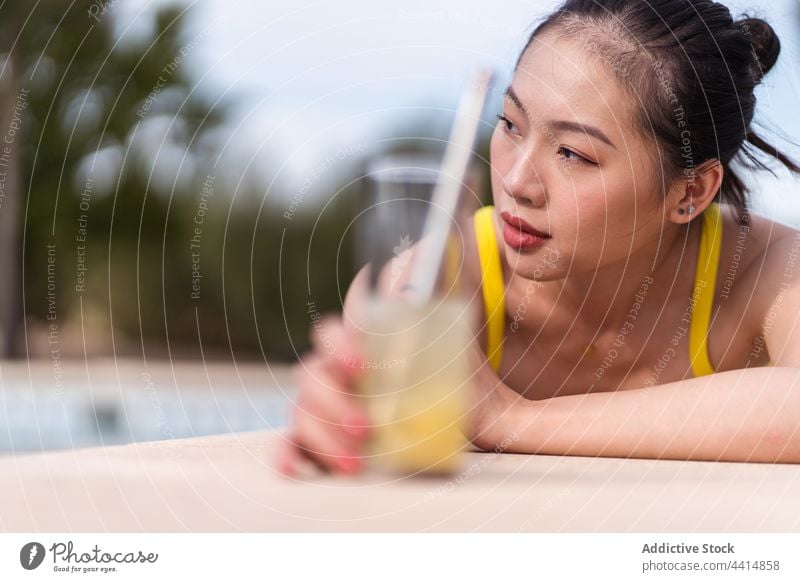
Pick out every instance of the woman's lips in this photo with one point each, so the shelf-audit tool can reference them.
(520, 224)
(519, 234)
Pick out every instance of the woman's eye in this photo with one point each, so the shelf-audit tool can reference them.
(571, 156)
(509, 125)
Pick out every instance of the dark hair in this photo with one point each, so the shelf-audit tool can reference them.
(693, 70)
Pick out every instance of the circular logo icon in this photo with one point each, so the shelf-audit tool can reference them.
(31, 555)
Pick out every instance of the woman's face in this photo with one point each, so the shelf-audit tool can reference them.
(567, 160)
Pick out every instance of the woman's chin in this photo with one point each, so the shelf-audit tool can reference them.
(539, 267)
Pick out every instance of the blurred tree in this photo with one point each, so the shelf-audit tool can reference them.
(14, 103)
(113, 144)
(127, 233)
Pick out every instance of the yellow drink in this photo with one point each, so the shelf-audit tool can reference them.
(417, 383)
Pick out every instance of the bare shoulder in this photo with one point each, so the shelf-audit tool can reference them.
(752, 243)
(754, 259)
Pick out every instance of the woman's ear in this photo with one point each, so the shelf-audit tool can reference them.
(696, 191)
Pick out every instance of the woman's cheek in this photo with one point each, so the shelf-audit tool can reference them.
(500, 154)
(496, 176)
(588, 240)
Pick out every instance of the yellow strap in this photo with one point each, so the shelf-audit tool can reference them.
(494, 299)
(705, 283)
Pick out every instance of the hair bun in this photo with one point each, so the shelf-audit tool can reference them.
(766, 45)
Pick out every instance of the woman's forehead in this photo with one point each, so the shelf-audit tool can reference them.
(560, 77)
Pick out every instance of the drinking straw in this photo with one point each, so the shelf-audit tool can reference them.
(446, 193)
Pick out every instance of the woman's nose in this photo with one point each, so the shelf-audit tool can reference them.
(524, 182)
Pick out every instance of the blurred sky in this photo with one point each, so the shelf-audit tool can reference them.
(316, 78)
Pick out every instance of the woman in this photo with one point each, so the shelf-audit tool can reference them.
(632, 306)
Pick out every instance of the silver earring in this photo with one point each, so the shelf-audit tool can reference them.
(692, 209)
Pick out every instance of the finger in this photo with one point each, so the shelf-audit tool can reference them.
(322, 402)
(292, 461)
(323, 395)
(325, 445)
(339, 411)
(318, 370)
(331, 340)
(288, 458)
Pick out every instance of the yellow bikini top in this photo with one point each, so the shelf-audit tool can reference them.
(704, 285)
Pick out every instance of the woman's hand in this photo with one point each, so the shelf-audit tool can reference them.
(329, 426)
(495, 411)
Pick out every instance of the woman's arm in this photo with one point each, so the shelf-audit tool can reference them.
(751, 414)
(741, 415)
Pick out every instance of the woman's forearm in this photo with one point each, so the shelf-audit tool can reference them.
(741, 415)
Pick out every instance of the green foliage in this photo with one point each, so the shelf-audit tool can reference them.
(154, 252)
(100, 112)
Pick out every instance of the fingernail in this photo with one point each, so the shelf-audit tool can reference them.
(349, 464)
(354, 363)
(286, 468)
